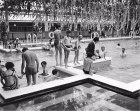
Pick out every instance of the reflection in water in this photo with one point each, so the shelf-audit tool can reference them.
(84, 97)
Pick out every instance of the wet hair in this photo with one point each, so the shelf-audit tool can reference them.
(118, 44)
(9, 65)
(96, 39)
(24, 49)
(44, 62)
(54, 72)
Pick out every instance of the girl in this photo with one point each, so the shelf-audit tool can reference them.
(9, 79)
(77, 48)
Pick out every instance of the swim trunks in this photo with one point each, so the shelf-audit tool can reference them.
(86, 72)
(30, 70)
(8, 78)
(68, 46)
(56, 43)
(75, 48)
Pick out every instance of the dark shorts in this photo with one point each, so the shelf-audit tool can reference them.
(56, 43)
(86, 72)
(68, 46)
(75, 48)
(30, 70)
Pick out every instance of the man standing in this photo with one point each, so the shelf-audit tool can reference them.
(57, 43)
(32, 65)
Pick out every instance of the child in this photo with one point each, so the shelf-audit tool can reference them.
(54, 76)
(45, 71)
(103, 52)
(98, 54)
(123, 54)
(77, 48)
(67, 43)
(9, 79)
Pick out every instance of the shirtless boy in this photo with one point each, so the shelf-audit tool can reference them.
(57, 44)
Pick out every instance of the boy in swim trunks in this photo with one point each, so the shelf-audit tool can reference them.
(57, 44)
(67, 44)
(32, 65)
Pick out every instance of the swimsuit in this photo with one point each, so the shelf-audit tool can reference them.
(86, 72)
(56, 43)
(77, 47)
(30, 70)
(6, 78)
(68, 46)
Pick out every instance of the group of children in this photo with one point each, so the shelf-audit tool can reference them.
(13, 44)
(10, 80)
(101, 54)
(68, 46)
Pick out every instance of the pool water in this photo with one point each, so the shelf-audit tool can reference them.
(84, 97)
(122, 69)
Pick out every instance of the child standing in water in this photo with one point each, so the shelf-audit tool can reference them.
(45, 70)
(103, 52)
(77, 48)
(67, 44)
(123, 54)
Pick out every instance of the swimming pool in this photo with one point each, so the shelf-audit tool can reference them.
(121, 69)
(87, 96)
